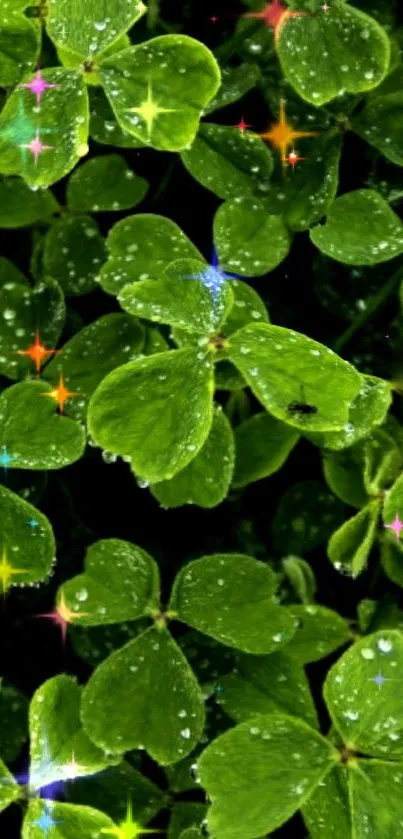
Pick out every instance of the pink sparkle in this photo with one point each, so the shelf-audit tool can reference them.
(242, 126)
(213, 19)
(270, 14)
(36, 147)
(396, 525)
(38, 86)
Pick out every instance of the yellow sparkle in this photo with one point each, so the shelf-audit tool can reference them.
(7, 571)
(282, 135)
(128, 829)
(149, 110)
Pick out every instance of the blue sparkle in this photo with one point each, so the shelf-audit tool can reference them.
(33, 523)
(45, 822)
(5, 458)
(379, 679)
(213, 277)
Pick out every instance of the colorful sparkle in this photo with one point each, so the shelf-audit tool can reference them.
(36, 147)
(273, 15)
(293, 158)
(281, 134)
(38, 86)
(242, 126)
(325, 7)
(396, 525)
(128, 829)
(33, 523)
(149, 110)
(60, 394)
(45, 821)
(62, 616)
(379, 679)
(7, 571)
(37, 352)
(5, 458)
(213, 277)
(213, 19)
(72, 769)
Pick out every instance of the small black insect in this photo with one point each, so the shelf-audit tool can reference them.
(301, 407)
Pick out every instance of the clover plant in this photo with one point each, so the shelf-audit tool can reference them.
(201, 429)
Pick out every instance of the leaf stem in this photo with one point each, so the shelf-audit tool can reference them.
(374, 304)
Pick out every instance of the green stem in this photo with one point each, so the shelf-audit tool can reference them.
(224, 52)
(373, 305)
(153, 13)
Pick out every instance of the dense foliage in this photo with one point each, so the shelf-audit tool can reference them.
(201, 436)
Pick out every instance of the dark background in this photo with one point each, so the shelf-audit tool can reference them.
(91, 499)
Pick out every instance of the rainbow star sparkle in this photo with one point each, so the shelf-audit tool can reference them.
(37, 352)
(149, 110)
(5, 458)
(61, 616)
(38, 86)
(45, 821)
(128, 829)
(281, 134)
(36, 147)
(7, 572)
(60, 394)
(274, 15)
(213, 277)
(396, 525)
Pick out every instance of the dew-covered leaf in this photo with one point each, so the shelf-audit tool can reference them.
(376, 815)
(189, 295)
(28, 549)
(230, 598)
(320, 631)
(9, 789)
(348, 52)
(13, 720)
(119, 583)
(301, 578)
(92, 353)
(277, 362)
(266, 684)
(227, 162)
(262, 446)
(24, 310)
(104, 127)
(381, 124)
(327, 812)
(361, 229)
(105, 183)
(158, 89)
(393, 502)
(142, 247)
(260, 772)
(363, 698)
(35, 435)
(72, 820)
(63, 128)
(89, 30)
(145, 694)
(19, 47)
(128, 413)
(57, 735)
(305, 517)
(21, 206)
(249, 241)
(350, 545)
(74, 252)
(110, 790)
(206, 479)
(235, 82)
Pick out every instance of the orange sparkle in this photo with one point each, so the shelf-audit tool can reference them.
(62, 615)
(274, 15)
(60, 394)
(37, 352)
(281, 134)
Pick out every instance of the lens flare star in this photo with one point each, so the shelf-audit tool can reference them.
(274, 15)
(60, 394)
(213, 277)
(38, 86)
(380, 680)
(282, 135)
(62, 616)
(242, 126)
(36, 147)
(396, 525)
(33, 523)
(45, 821)
(293, 158)
(7, 571)
(128, 829)
(149, 110)
(72, 769)
(5, 458)
(37, 352)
